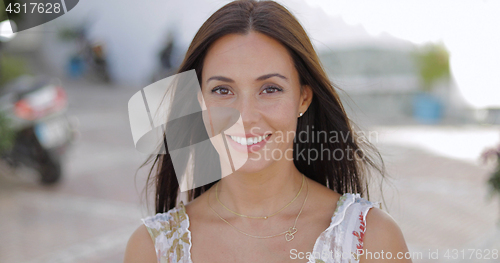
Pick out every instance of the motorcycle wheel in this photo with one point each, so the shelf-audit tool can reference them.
(27, 150)
(50, 172)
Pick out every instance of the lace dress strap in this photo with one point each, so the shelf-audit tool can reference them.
(341, 240)
(170, 234)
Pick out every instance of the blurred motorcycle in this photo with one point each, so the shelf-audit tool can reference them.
(36, 108)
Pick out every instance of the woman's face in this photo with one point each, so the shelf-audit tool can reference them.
(255, 75)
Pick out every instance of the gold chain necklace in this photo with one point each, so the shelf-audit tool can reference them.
(260, 217)
(289, 234)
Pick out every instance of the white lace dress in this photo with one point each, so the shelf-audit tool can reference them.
(338, 243)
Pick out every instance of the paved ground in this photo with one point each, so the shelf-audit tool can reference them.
(438, 201)
(90, 215)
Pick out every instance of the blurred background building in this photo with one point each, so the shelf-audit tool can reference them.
(431, 123)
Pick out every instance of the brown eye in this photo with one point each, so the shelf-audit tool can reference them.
(272, 89)
(221, 91)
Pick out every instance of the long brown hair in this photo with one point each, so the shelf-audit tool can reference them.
(325, 112)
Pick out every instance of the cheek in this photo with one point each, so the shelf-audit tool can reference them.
(282, 115)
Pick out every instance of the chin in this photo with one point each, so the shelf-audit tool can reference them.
(254, 166)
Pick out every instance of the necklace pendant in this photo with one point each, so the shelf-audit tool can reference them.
(265, 217)
(290, 234)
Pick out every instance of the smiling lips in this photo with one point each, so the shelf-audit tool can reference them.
(248, 141)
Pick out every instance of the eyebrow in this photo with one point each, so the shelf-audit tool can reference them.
(261, 78)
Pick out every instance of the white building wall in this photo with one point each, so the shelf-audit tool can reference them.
(134, 32)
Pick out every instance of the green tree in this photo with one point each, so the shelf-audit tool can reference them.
(7, 135)
(433, 63)
(9, 71)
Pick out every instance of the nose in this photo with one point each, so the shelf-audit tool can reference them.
(249, 110)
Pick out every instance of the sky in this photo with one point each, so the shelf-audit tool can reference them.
(469, 29)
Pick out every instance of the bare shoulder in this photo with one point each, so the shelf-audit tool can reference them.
(321, 191)
(321, 198)
(140, 247)
(383, 235)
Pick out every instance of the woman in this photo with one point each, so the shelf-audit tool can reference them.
(254, 56)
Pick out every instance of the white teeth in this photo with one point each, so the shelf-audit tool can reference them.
(249, 141)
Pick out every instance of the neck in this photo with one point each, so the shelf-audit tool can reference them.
(261, 193)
